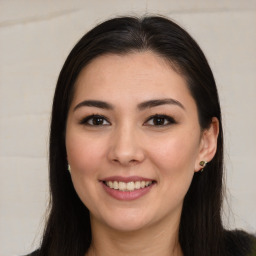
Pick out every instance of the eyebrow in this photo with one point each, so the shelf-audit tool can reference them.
(141, 106)
(159, 102)
(94, 103)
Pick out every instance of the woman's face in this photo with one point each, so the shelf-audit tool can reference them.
(133, 140)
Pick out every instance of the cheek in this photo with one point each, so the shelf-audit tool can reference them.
(85, 154)
(176, 155)
(176, 152)
(85, 157)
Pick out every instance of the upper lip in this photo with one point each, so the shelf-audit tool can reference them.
(126, 179)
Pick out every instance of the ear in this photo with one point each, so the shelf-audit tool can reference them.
(208, 144)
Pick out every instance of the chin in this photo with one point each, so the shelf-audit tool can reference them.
(127, 226)
(125, 221)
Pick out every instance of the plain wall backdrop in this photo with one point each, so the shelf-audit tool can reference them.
(35, 38)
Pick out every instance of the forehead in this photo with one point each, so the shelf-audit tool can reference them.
(130, 77)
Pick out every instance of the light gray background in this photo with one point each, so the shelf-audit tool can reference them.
(35, 38)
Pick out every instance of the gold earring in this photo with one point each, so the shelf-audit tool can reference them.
(203, 164)
(69, 168)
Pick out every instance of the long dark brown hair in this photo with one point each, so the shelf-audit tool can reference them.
(67, 231)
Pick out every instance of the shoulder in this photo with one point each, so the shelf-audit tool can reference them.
(239, 243)
(35, 253)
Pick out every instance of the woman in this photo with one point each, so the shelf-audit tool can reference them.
(136, 147)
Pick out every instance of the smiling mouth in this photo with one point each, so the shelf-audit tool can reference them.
(128, 186)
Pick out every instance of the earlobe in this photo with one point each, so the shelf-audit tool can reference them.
(69, 168)
(208, 145)
(203, 164)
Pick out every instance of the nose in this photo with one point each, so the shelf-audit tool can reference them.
(125, 147)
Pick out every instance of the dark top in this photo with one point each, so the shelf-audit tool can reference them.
(237, 243)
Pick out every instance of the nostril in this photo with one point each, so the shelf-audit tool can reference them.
(128, 161)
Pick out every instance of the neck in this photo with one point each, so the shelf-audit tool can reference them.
(151, 241)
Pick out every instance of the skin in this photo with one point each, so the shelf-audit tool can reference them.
(128, 143)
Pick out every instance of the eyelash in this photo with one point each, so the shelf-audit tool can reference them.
(85, 121)
(170, 120)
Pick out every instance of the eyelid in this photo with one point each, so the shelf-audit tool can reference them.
(170, 120)
(84, 121)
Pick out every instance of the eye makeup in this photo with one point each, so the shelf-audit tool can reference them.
(95, 120)
(160, 120)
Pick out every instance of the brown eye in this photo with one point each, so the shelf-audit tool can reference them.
(160, 120)
(95, 120)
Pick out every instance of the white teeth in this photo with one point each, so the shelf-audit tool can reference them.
(122, 186)
(129, 186)
(137, 184)
(110, 184)
(115, 185)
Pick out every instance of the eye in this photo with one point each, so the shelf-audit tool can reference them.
(160, 120)
(95, 120)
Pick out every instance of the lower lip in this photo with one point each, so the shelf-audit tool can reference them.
(127, 195)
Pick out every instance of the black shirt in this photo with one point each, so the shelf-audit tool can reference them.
(237, 243)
